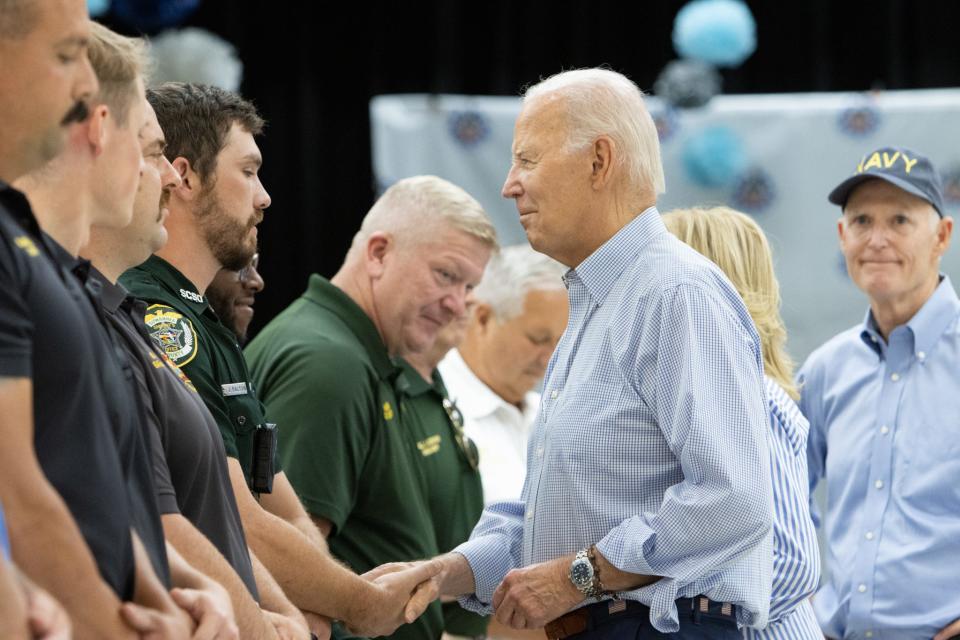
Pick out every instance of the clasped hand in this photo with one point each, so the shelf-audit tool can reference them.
(530, 597)
(404, 591)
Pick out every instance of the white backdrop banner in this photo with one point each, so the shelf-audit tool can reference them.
(794, 148)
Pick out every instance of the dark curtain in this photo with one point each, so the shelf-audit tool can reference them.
(311, 67)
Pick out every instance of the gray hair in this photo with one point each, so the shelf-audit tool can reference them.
(512, 274)
(414, 206)
(604, 102)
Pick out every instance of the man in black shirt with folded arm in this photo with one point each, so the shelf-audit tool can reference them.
(107, 416)
(61, 473)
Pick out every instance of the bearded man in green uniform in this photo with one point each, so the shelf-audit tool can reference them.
(213, 215)
(325, 369)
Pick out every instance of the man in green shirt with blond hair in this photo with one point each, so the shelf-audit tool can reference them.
(325, 369)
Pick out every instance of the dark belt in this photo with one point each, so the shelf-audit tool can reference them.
(579, 620)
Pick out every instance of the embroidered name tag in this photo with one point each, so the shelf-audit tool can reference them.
(234, 389)
(190, 295)
(429, 446)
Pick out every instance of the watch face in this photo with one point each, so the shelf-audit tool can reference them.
(581, 573)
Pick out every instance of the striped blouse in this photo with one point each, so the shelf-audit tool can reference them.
(796, 556)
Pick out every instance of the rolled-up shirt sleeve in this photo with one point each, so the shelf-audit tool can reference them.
(494, 548)
(706, 389)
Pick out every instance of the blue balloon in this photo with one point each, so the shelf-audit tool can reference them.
(720, 32)
(97, 7)
(714, 157)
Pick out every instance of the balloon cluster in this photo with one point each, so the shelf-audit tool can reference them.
(708, 34)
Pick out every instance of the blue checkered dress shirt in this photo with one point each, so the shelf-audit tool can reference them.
(652, 436)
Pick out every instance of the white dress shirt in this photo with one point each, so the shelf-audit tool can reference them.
(499, 429)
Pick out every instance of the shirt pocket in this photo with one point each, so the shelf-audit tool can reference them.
(928, 454)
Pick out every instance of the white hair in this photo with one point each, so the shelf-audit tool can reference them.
(412, 207)
(514, 273)
(604, 102)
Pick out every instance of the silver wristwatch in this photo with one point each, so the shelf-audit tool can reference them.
(583, 575)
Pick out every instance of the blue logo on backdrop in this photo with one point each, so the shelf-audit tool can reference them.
(469, 128)
(754, 191)
(859, 122)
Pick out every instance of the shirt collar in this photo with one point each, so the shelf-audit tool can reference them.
(112, 295)
(176, 282)
(927, 325)
(412, 383)
(476, 399)
(329, 296)
(17, 205)
(601, 270)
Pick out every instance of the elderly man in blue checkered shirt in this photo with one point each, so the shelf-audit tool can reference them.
(647, 507)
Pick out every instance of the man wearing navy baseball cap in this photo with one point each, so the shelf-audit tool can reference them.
(883, 400)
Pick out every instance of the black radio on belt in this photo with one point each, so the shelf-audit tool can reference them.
(264, 451)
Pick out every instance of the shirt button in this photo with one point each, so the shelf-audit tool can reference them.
(894, 376)
(868, 634)
(553, 394)
(921, 355)
(530, 515)
(241, 420)
(884, 429)
(869, 535)
(873, 338)
(878, 484)
(539, 452)
(862, 588)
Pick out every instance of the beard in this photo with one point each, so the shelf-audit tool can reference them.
(226, 237)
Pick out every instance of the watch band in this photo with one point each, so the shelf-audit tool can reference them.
(598, 583)
(593, 590)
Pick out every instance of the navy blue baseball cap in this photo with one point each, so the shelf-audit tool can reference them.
(901, 167)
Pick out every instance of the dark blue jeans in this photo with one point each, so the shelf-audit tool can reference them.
(635, 624)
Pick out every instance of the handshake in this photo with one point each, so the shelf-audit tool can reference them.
(399, 592)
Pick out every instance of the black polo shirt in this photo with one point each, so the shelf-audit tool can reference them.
(126, 412)
(49, 333)
(189, 460)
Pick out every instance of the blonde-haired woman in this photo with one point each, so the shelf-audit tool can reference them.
(736, 244)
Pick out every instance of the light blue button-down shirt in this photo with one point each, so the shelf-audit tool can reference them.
(885, 432)
(651, 440)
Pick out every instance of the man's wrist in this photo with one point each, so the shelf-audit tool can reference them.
(456, 578)
(571, 591)
(614, 580)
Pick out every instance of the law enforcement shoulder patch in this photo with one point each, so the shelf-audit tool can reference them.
(172, 332)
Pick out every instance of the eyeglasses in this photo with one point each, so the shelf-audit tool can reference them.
(245, 273)
(467, 446)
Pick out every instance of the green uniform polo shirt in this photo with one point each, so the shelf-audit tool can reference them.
(453, 487)
(327, 380)
(182, 323)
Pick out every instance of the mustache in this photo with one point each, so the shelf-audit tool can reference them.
(78, 113)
